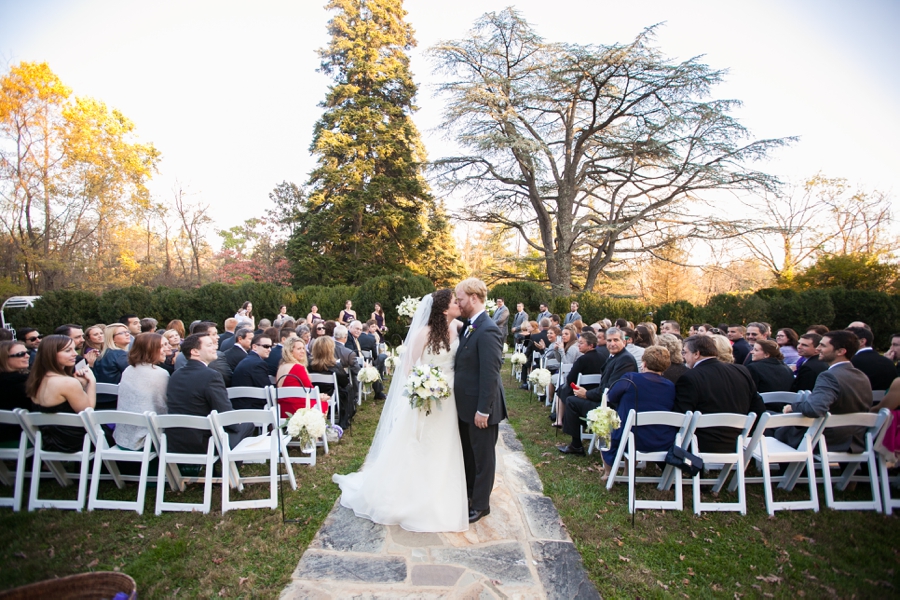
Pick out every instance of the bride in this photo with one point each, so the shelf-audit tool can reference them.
(414, 475)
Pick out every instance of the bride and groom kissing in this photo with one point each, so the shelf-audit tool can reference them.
(437, 475)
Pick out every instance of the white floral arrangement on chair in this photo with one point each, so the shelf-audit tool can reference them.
(368, 375)
(505, 348)
(518, 359)
(425, 387)
(541, 379)
(307, 425)
(391, 362)
(602, 421)
(408, 307)
(490, 306)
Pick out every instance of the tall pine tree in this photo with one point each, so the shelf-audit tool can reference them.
(369, 211)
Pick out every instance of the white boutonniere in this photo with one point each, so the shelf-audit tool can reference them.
(469, 330)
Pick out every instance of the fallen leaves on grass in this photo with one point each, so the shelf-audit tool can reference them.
(769, 578)
(624, 558)
(218, 561)
(242, 580)
(93, 563)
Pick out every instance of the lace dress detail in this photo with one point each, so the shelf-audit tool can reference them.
(418, 480)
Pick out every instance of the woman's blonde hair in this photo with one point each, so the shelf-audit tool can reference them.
(109, 338)
(170, 333)
(287, 352)
(323, 354)
(723, 348)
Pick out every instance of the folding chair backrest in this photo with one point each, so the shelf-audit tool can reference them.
(327, 378)
(661, 417)
(108, 388)
(8, 417)
(779, 397)
(248, 392)
(162, 422)
(38, 420)
(867, 420)
(564, 369)
(367, 355)
(233, 417)
(769, 421)
(584, 380)
(93, 419)
(878, 396)
(732, 420)
(311, 395)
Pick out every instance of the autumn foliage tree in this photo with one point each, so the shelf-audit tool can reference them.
(369, 210)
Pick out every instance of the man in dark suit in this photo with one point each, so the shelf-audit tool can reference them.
(274, 358)
(230, 326)
(196, 389)
(809, 366)
(584, 400)
(238, 352)
(253, 372)
(711, 386)
(573, 315)
(543, 313)
(755, 331)
(501, 318)
(521, 317)
(879, 369)
(347, 358)
(480, 401)
(740, 348)
(590, 362)
(840, 390)
(359, 342)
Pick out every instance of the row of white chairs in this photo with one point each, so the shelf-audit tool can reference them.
(264, 447)
(767, 452)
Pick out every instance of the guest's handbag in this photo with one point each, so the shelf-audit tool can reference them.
(690, 464)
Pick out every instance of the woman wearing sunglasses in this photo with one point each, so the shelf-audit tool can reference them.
(13, 375)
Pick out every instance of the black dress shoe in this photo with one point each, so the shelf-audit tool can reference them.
(383, 397)
(569, 449)
(475, 515)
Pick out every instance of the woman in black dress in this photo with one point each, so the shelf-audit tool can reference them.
(768, 370)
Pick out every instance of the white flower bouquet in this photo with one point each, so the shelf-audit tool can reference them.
(505, 347)
(541, 379)
(307, 425)
(425, 387)
(490, 306)
(368, 375)
(408, 307)
(602, 421)
(518, 359)
(391, 362)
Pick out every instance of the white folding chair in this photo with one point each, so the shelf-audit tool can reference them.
(878, 396)
(108, 388)
(584, 380)
(561, 377)
(537, 362)
(732, 459)
(311, 395)
(253, 393)
(330, 379)
(258, 448)
(779, 399)
(19, 454)
(367, 356)
(873, 422)
(169, 461)
(672, 419)
(768, 450)
(890, 503)
(517, 348)
(33, 422)
(104, 454)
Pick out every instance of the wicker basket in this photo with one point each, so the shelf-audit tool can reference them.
(84, 586)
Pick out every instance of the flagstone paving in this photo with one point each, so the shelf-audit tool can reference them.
(520, 550)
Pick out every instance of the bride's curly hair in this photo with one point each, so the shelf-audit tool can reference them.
(439, 334)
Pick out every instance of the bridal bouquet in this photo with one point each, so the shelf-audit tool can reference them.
(408, 307)
(490, 306)
(426, 386)
(307, 425)
(602, 421)
(368, 375)
(541, 379)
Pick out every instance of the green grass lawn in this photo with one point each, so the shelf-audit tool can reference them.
(252, 553)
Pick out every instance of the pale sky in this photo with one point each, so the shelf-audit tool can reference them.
(228, 91)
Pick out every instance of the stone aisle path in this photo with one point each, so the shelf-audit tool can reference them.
(520, 550)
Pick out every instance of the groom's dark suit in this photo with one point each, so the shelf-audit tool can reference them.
(478, 388)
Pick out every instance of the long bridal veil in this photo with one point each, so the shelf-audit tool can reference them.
(396, 401)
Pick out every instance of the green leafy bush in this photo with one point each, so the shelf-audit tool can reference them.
(878, 310)
(734, 308)
(528, 293)
(390, 290)
(798, 310)
(681, 311)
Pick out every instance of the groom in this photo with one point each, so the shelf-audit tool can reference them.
(479, 394)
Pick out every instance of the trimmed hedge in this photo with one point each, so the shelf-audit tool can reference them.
(834, 307)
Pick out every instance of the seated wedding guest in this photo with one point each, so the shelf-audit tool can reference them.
(360, 343)
(32, 339)
(654, 392)
(524, 339)
(93, 340)
(808, 366)
(196, 389)
(740, 347)
(767, 368)
(840, 390)
(230, 325)
(264, 324)
(347, 358)
(329, 328)
(724, 348)
(348, 315)
(552, 353)
(6, 335)
(818, 329)
(313, 315)
(148, 325)
(292, 373)
(174, 339)
(636, 351)
(891, 400)
(243, 338)
(879, 369)
(142, 388)
(13, 375)
(274, 358)
(76, 333)
(177, 325)
(54, 386)
(315, 330)
(569, 349)
(590, 362)
(645, 335)
(112, 362)
(324, 361)
(672, 343)
(712, 386)
(787, 340)
(253, 372)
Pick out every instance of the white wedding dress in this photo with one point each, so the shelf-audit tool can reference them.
(414, 477)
